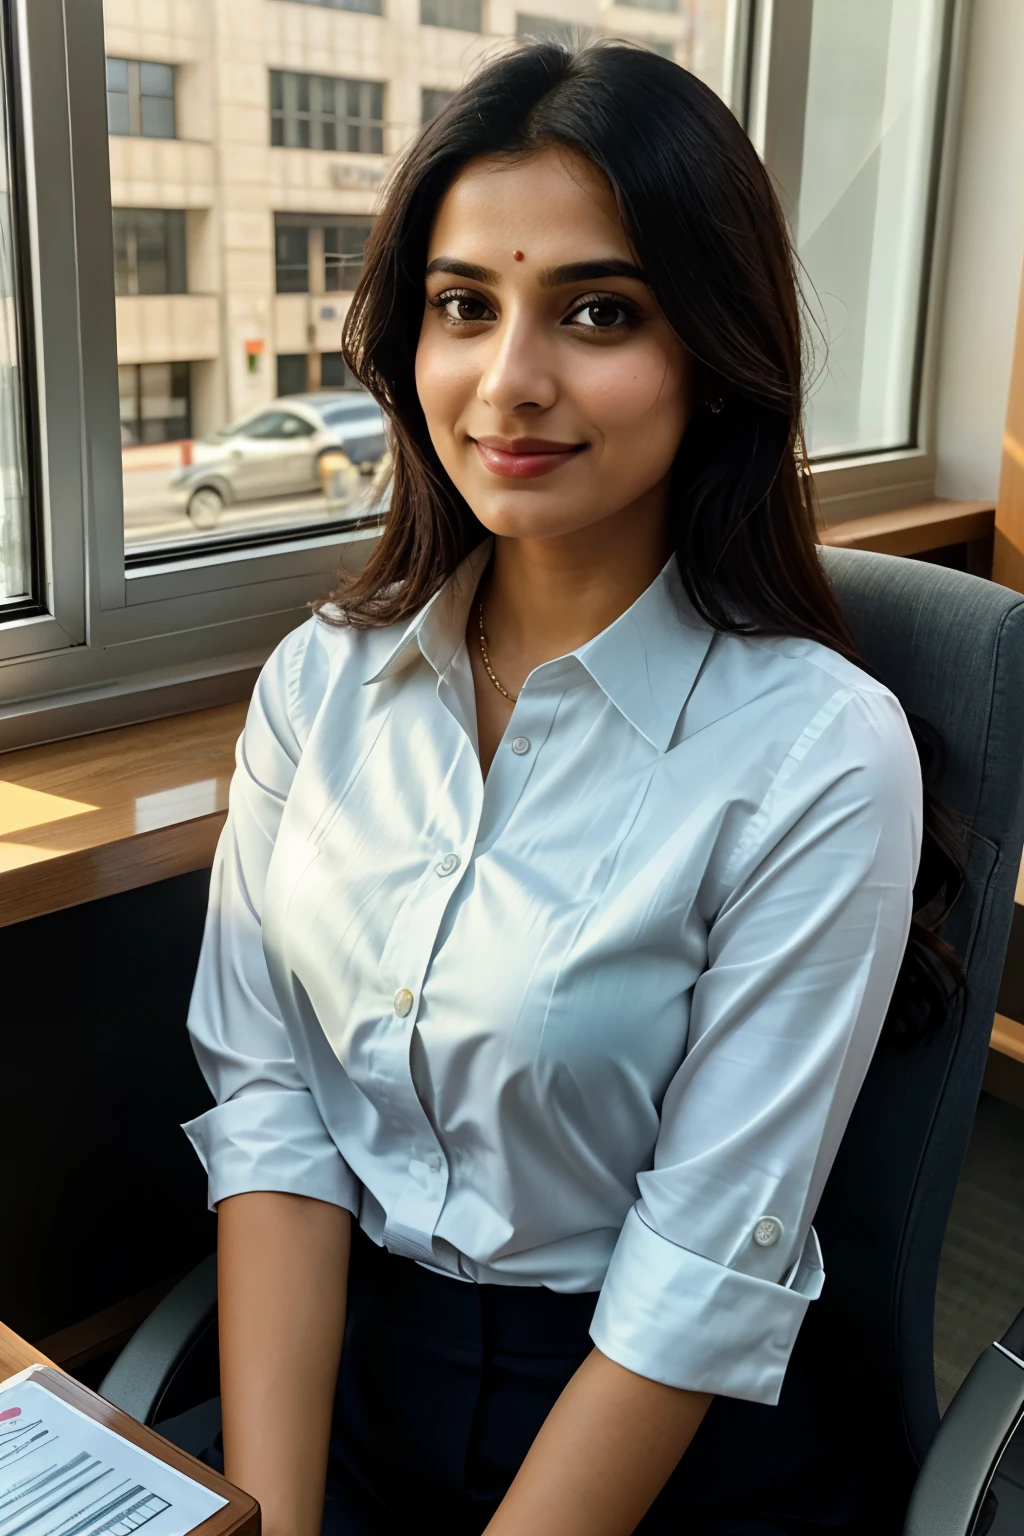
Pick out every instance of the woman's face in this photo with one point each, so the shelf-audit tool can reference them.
(554, 390)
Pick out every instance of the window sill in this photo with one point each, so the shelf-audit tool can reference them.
(99, 814)
(914, 530)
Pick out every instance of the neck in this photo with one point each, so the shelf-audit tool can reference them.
(545, 597)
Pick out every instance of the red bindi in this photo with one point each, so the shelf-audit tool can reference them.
(517, 256)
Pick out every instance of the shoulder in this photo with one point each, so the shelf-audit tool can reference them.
(821, 738)
(312, 664)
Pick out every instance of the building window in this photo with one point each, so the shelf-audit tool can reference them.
(322, 112)
(431, 102)
(293, 373)
(330, 263)
(464, 15)
(149, 251)
(334, 373)
(291, 250)
(140, 98)
(343, 254)
(652, 5)
(551, 29)
(156, 404)
(371, 7)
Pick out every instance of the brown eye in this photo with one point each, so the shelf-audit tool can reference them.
(465, 308)
(601, 315)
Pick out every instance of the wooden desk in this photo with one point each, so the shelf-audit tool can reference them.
(98, 814)
(239, 1517)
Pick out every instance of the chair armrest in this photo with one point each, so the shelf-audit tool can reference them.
(140, 1375)
(954, 1480)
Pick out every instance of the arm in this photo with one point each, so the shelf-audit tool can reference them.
(281, 1188)
(282, 1263)
(716, 1263)
(603, 1454)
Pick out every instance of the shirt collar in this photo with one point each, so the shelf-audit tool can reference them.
(646, 662)
(438, 629)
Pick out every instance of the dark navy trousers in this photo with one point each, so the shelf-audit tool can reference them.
(444, 1385)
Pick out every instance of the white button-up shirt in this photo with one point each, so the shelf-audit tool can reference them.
(595, 1022)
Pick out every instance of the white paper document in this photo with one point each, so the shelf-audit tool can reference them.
(63, 1474)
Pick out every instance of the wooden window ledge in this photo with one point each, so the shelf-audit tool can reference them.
(915, 530)
(98, 814)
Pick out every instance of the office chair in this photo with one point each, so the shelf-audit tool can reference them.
(951, 647)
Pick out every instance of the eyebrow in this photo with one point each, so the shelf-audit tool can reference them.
(554, 277)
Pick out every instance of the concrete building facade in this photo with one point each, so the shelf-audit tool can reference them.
(224, 113)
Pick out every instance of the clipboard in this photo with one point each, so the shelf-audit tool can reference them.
(238, 1516)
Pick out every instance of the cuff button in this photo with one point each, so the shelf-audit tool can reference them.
(768, 1231)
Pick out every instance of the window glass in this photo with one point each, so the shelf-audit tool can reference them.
(242, 220)
(862, 224)
(16, 530)
(149, 251)
(140, 99)
(464, 15)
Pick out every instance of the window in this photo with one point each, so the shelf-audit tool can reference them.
(292, 373)
(373, 7)
(464, 15)
(431, 102)
(291, 243)
(149, 251)
(140, 98)
(319, 254)
(17, 533)
(296, 373)
(155, 402)
(320, 112)
(542, 29)
(343, 254)
(233, 264)
(866, 183)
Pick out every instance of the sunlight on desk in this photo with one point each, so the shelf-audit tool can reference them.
(22, 808)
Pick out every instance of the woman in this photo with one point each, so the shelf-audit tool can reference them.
(569, 868)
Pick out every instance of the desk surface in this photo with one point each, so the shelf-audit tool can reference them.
(16, 1355)
(98, 814)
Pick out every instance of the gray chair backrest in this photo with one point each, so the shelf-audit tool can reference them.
(951, 648)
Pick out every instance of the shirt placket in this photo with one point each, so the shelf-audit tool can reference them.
(476, 812)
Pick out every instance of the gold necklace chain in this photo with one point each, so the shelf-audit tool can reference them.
(512, 697)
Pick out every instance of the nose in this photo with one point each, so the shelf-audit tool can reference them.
(519, 372)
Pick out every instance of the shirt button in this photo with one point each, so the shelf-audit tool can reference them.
(521, 745)
(403, 1001)
(768, 1231)
(448, 865)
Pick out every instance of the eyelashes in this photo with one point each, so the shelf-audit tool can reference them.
(593, 313)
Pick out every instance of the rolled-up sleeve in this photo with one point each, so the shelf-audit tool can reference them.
(717, 1261)
(265, 1132)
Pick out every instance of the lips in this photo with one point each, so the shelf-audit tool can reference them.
(524, 458)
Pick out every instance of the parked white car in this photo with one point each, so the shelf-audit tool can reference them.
(278, 450)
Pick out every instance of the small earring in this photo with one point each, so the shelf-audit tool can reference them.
(714, 406)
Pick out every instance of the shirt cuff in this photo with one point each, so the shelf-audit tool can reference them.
(681, 1319)
(272, 1140)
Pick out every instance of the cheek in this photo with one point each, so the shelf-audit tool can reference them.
(443, 381)
(634, 390)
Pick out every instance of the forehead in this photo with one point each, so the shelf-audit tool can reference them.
(546, 204)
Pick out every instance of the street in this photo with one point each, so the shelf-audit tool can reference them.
(155, 516)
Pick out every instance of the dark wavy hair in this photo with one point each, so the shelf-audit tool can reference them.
(701, 213)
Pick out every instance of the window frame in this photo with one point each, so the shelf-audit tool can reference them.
(858, 485)
(120, 643)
